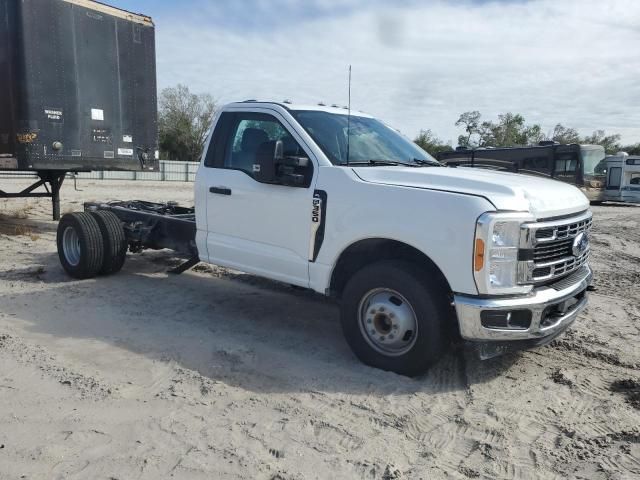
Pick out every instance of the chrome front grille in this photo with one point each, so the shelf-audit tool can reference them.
(566, 230)
(549, 252)
(547, 249)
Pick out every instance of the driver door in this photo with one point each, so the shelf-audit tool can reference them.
(256, 227)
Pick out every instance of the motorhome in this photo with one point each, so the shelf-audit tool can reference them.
(579, 165)
(623, 178)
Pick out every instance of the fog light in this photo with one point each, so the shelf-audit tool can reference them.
(506, 319)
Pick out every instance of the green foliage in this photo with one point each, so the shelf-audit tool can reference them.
(471, 123)
(429, 142)
(632, 149)
(511, 130)
(611, 143)
(565, 135)
(184, 122)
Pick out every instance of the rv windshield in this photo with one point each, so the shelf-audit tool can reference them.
(593, 160)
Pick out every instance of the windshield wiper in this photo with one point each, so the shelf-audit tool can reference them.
(430, 163)
(375, 162)
(415, 162)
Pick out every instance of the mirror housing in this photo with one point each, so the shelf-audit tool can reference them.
(264, 168)
(272, 166)
(278, 153)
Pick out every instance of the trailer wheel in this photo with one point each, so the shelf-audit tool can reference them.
(393, 317)
(115, 241)
(80, 245)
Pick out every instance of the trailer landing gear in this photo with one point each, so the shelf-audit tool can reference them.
(52, 181)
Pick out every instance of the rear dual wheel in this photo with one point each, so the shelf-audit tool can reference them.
(115, 241)
(91, 243)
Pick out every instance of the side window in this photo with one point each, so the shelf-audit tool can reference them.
(215, 154)
(254, 135)
(615, 178)
(536, 165)
(566, 164)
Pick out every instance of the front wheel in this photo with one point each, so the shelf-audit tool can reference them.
(393, 317)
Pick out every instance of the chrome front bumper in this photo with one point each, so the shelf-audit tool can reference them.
(541, 302)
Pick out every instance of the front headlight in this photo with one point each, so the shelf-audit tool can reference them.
(495, 257)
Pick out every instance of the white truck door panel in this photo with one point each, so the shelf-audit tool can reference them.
(259, 228)
(256, 227)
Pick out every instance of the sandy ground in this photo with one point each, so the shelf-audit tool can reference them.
(218, 375)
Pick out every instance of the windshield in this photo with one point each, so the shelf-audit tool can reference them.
(593, 160)
(370, 141)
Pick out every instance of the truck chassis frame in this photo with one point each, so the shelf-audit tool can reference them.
(156, 226)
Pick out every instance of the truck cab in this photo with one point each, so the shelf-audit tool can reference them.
(340, 203)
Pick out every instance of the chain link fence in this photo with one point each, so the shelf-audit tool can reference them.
(169, 171)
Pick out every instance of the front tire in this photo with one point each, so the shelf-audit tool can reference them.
(80, 245)
(393, 317)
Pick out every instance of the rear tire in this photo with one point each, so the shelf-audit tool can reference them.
(80, 245)
(115, 241)
(393, 317)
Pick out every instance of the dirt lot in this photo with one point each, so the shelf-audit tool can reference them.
(219, 375)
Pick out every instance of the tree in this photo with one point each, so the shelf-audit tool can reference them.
(565, 135)
(611, 143)
(184, 122)
(471, 122)
(510, 130)
(632, 149)
(429, 142)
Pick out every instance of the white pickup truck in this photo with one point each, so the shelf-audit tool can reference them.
(417, 254)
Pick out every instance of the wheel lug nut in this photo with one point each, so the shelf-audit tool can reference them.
(373, 312)
(368, 320)
(381, 309)
(391, 337)
(373, 332)
(382, 339)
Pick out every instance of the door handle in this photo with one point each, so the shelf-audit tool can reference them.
(220, 190)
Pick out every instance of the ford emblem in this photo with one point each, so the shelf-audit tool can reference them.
(580, 244)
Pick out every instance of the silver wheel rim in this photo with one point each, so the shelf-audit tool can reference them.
(388, 322)
(71, 246)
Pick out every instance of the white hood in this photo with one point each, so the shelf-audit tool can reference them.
(542, 197)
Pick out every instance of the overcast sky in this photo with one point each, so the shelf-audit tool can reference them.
(416, 64)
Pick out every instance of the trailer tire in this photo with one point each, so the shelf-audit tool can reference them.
(80, 245)
(393, 317)
(114, 239)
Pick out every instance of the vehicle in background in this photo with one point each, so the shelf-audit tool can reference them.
(77, 91)
(342, 204)
(579, 165)
(623, 178)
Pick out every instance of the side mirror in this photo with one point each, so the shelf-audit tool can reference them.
(264, 168)
(272, 166)
(278, 153)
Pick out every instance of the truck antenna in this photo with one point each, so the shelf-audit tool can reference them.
(349, 117)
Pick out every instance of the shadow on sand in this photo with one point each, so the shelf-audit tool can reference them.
(256, 334)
